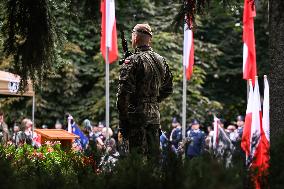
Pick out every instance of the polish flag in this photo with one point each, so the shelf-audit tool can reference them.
(265, 119)
(249, 55)
(245, 143)
(258, 159)
(255, 159)
(109, 34)
(265, 138)
(188, 51)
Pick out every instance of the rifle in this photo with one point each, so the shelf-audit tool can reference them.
(124, 44)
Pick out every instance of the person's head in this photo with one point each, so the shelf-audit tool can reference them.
(209, 128)
(1, 116)
(231, 128)
(87, 125)
(27, 124)
(107, 131)
(58, 125)
(16, 128)
(141, 35)
(240, 121)
(222, 122)
(101, 124)
(175, 122)
(195, 124)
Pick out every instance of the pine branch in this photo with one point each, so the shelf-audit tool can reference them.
(29, 36)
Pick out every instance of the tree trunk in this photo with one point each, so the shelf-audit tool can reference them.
(276, 58)
(276, 53)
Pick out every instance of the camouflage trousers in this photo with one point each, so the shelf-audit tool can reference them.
(144, 140)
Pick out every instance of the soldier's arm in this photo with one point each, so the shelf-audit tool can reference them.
(126, 87)
(167, 83)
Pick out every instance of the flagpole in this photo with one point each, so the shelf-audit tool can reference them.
(107, 92)
(33, 115)
(184, 102)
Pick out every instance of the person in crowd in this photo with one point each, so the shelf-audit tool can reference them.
(164, 143)
(209, 137)
(195, 140)
(176, 135)
(4, 132)
(30, 137)
(239, 153)
(58, 125)
(27, 125)
(232, 133)
(101, 124)
(240, 124)
(224, 146)
(96, 132)
(102, 139)
(18, 137)
(88, 128)
(83, 141)
(44, 126)
(222, 122)
(110, 154)
(145, 80)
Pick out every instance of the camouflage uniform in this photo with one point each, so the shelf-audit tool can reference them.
(145, 80)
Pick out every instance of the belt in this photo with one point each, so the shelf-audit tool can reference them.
(150, 99)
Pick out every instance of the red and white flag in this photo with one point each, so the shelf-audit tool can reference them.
(265, 119)
(245, 143)
(109, 34)
(188, 51)
(254, 159)
(249, 55)
(265, 136)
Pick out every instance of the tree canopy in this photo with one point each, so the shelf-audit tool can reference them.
(73, 78)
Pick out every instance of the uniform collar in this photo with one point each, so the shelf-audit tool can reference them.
(143, 48)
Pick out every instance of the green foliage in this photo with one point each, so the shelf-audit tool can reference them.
(30, 37)
(77, 82)
(78, 85)
(50, 167)
(46, 167)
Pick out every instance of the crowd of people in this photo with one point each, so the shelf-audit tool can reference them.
(195, 143)
(20, 133)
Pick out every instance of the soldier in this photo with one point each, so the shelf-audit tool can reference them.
(4, 133)
(196, 140)
(145, 80)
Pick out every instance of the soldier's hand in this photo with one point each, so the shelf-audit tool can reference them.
(121, 61)
(127, 54)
